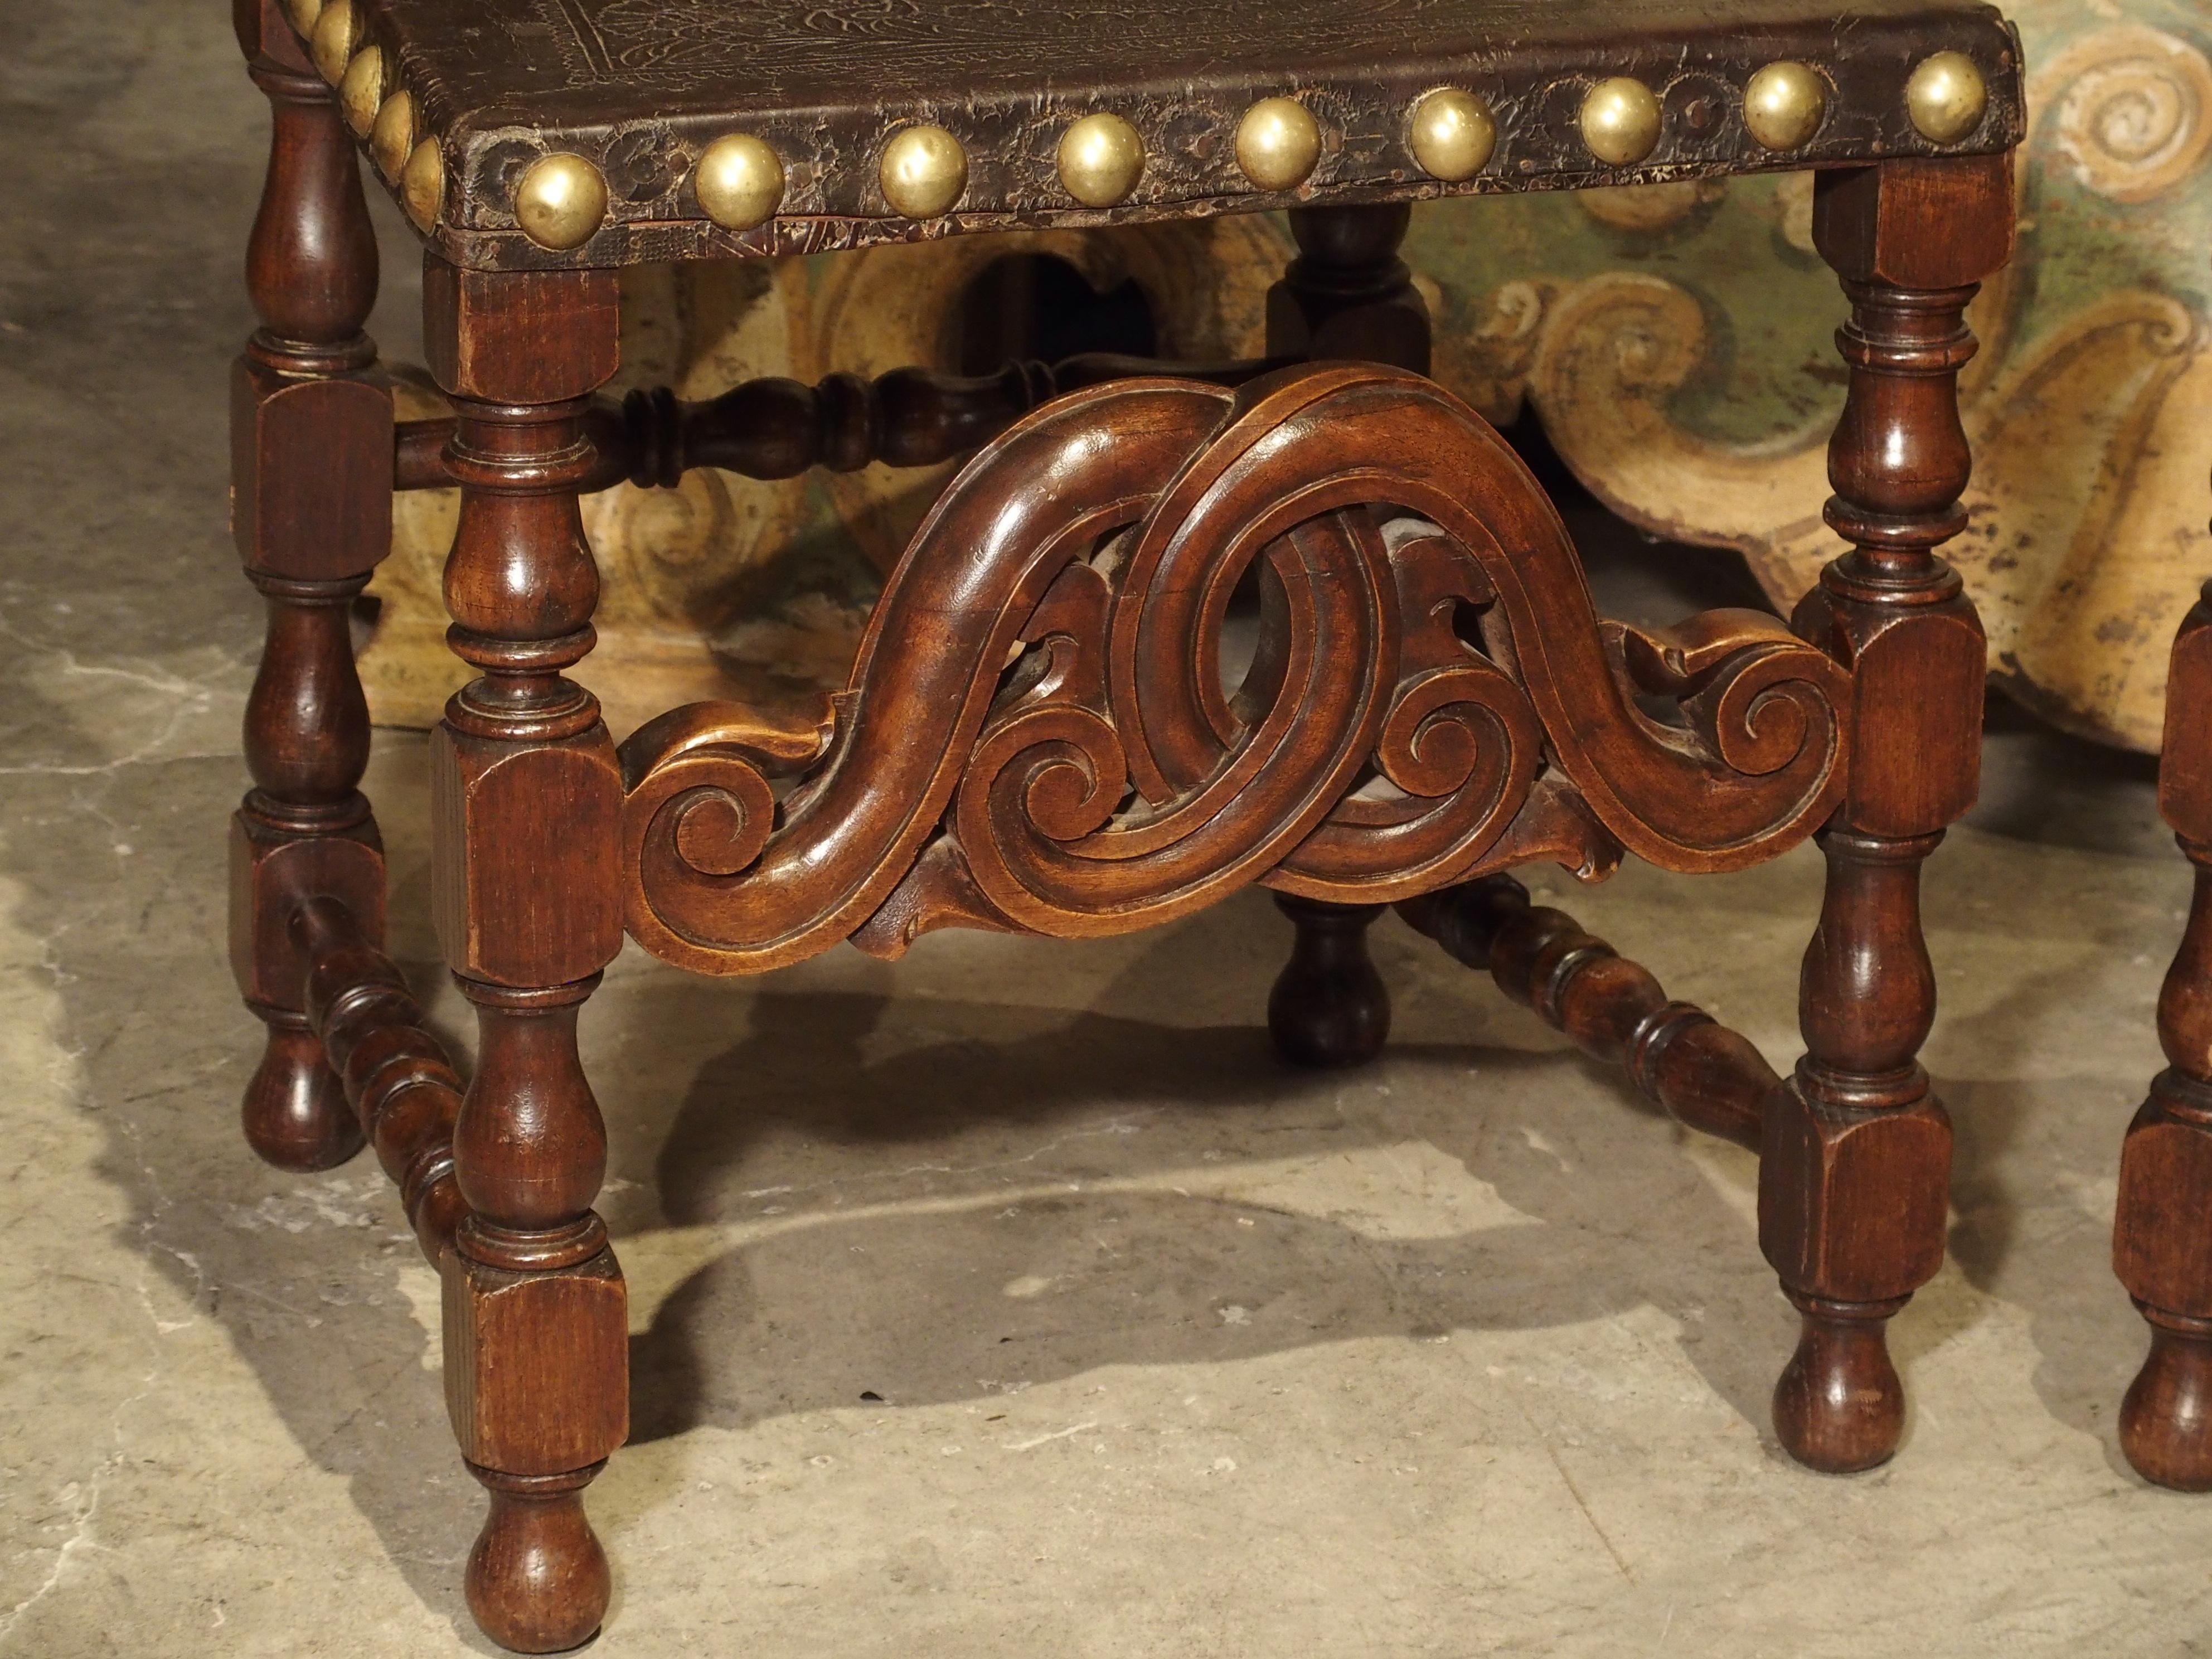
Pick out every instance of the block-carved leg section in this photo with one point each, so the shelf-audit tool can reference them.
(1855, 1163)
(526, 798)
(311, 447)
(2163, 1229)
(1346, 295)
(1679, 1057)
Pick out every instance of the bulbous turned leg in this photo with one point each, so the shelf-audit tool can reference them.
(538, 1580)
(1840, 1405)
(295, 1114)
(2166, 1421)
(1329, 1006)
(310, 511)
(1854, 1148)
(528, 845)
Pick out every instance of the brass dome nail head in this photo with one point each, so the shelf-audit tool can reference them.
(1784, 106)
(423, 185)
(336, 33)
(560, 202)
(923, 170)
(1277, 144)
(1947, 97)
(739, 181)
(360, 94)
(1101, 158)
(391, 139)
(1452, 135)
(1621, 121)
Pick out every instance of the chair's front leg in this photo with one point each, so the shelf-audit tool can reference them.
(527, 797)
(1346, 295)
(310, 509)
(1855, 1166)
(2162, 1227)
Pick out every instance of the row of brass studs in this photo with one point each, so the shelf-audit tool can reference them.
(560, 200)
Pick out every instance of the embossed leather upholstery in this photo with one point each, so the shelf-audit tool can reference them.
(640, 87)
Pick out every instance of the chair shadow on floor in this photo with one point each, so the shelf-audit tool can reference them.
(1038, 1232)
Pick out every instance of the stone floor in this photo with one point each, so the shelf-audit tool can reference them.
(1010, 1300)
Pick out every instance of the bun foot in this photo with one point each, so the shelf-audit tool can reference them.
(1840, 1405)
(1329, 1006)
(538, 1580)
(296, 1114)
(2166, 1421)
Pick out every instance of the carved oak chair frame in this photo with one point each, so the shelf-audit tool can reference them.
(1033, 738)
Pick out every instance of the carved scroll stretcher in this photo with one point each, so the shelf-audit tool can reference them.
(1036, 738)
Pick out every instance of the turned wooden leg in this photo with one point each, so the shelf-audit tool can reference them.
(1346, 295)
(2163, 1229)
(1329, 1006)
(311, 462)
(527, 799)
(1855, 1152)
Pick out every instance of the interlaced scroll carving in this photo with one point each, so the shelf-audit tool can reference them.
(1035, 736)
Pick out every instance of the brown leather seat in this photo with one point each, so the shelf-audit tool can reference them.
(474, 91)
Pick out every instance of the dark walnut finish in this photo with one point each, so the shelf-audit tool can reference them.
(311, 510)
(639, 91)
(1679, 1057)
(1347, 295)
(775, 427)
(1855, 1163)
(527, 803)
(1037, 736)
(2161, 1243)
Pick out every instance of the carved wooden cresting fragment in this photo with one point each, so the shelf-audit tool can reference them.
(1035, 739)
(1042, 733)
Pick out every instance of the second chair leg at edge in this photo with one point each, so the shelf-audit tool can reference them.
(2161, 1236)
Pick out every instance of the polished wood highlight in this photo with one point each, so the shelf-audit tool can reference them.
(2161, 1241)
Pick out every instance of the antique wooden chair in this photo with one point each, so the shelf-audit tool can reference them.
(1036, 737)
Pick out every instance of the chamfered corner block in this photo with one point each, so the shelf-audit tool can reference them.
(537, 1364)
(507, 821)
(311, 472)
(271, 874)
(1851, 1204)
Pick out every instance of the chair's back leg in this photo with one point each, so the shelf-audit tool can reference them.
(310, 509)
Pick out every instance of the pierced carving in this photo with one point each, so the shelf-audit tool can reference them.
(1036, 739)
